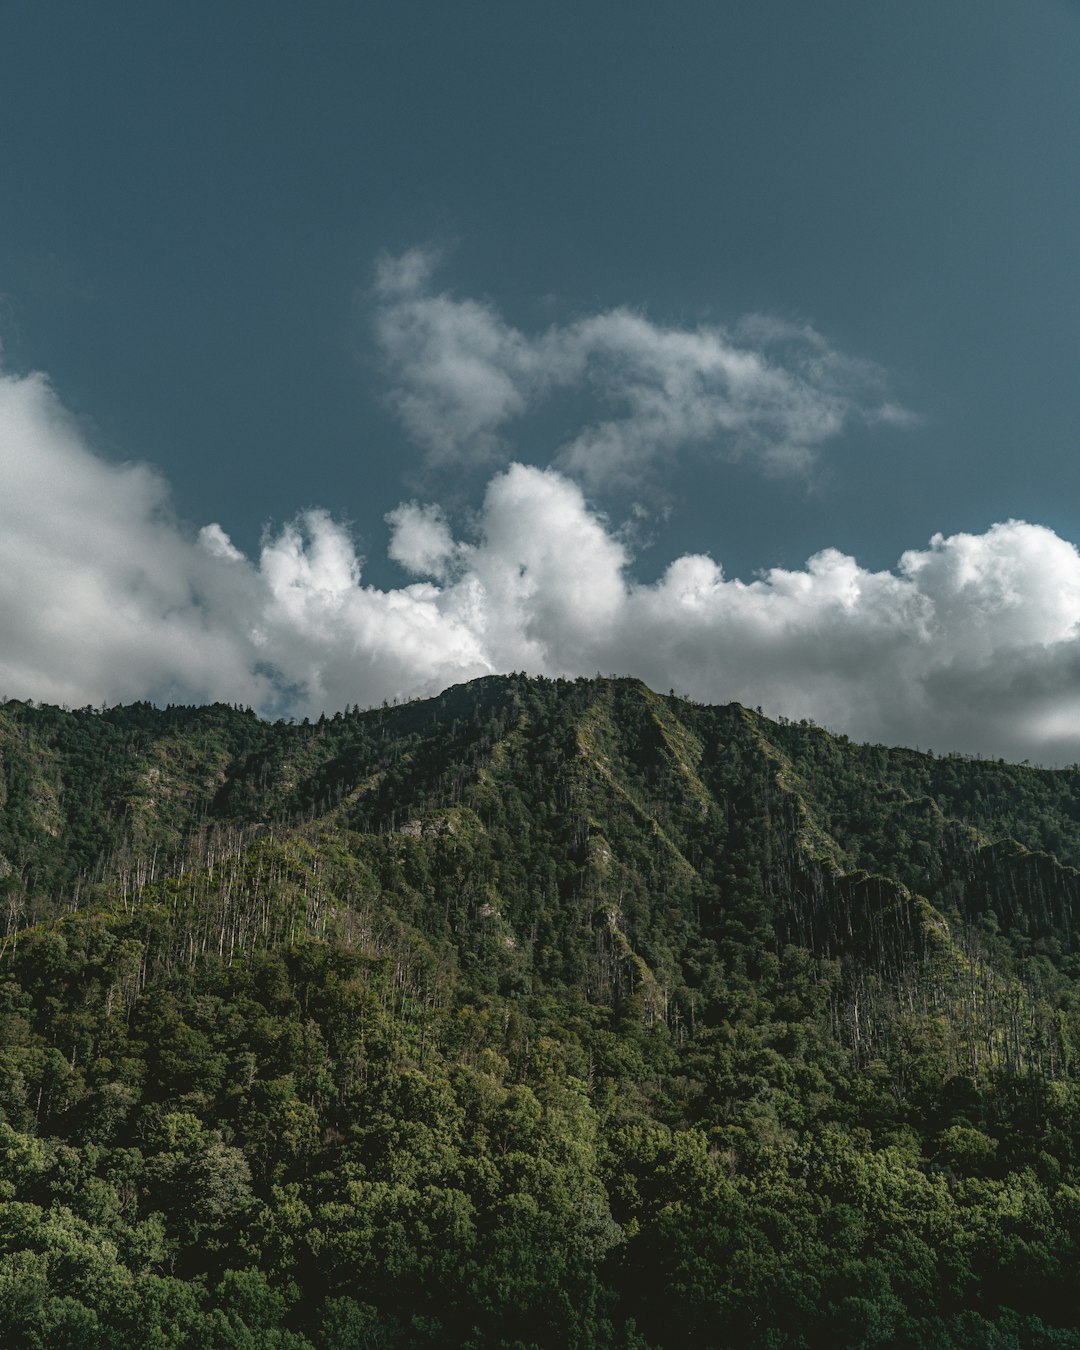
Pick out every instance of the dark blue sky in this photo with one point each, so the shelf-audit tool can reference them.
(757, 280)
(192, 198)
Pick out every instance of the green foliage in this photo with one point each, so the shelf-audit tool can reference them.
(544, 1013)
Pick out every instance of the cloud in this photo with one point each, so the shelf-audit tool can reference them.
(771, 391)
(459, 372)
(421, 541)
(970, 643)
(101, 594)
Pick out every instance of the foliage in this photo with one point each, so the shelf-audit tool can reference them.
(544, 1013)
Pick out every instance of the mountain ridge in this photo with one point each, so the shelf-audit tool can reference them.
(299, 996)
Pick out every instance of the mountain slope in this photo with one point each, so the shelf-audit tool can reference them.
(543, 1012)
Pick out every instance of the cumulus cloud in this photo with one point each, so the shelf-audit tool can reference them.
(970, 643)
(421, 541)
(770, 390)
(100, 594)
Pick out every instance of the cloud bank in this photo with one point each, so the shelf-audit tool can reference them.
(769, 391)
(970, 643)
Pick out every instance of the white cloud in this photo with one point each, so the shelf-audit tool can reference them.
(216, 542)
(971, 643)
(101, 595)
(421, 540)
(461, 374)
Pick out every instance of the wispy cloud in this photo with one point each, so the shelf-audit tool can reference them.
(972, 642)
(462, 376)
(458, 372)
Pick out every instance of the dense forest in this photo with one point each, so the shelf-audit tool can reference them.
(544, 1013)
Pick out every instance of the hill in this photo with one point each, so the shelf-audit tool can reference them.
(554, 1013)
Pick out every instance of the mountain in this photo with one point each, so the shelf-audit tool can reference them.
(542, 1013)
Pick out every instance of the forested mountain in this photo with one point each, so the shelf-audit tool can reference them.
(542, 1013)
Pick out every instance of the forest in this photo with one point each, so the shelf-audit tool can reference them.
(543, 1013)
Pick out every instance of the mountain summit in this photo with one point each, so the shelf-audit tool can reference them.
(543, 1012)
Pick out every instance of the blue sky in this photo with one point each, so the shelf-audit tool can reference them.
(752, 283)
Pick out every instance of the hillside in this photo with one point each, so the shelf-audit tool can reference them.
(542, 1013)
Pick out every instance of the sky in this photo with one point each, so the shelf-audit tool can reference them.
(351, 351)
